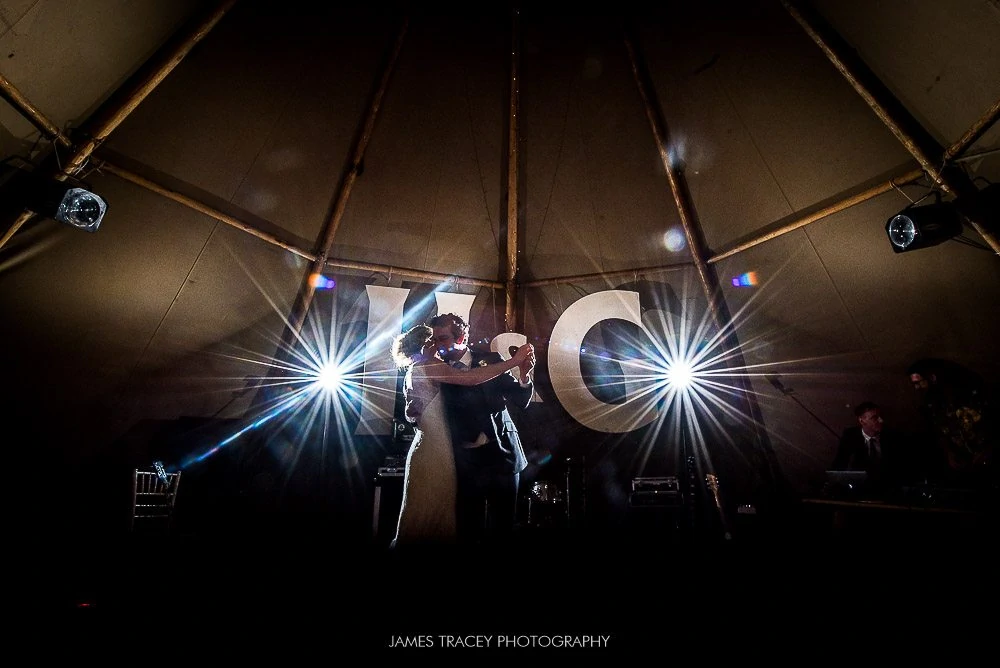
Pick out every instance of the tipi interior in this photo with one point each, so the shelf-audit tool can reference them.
(291, 183)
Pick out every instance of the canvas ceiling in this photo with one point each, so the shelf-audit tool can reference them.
(139, 321)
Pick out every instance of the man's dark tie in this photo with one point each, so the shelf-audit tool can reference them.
(873, 453)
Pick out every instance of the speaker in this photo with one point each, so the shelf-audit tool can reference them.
(388, 499)
(402, 435)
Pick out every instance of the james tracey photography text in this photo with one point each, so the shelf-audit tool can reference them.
(498, 641)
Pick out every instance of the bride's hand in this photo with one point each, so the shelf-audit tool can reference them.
(523, 354)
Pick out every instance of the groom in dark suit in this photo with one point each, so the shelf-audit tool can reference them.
(488, 453)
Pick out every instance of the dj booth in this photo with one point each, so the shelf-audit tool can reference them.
(917, 512)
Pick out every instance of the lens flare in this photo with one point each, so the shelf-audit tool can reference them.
(679, 374)
(674, 240)
(315, 383)
(329, 378)
(321, 282)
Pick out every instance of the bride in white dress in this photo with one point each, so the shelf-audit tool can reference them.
(427, 513)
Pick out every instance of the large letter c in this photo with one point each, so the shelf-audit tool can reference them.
(566, 375)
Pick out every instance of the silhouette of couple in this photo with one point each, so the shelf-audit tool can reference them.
(462, 468)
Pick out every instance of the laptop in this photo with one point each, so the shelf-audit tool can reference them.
(846, 484)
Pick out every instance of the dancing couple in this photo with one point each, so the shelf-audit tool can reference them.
(462, 468)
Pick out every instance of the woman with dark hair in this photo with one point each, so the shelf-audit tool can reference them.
(960, 417)
(427, 513)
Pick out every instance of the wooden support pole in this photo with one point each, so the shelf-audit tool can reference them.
(153, 73)
(608, 275)
(836, 207)
(513, 137)
(114, 112)
(200, 207)
(956, 149)
(678, 189)
(24, 106)
(308, 290)
(977, 130)
(890, 111)
(699, 255)
(207, 210)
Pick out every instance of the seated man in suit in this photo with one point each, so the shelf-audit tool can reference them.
(867, 447)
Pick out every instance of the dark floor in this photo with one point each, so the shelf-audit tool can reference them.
(644, 586)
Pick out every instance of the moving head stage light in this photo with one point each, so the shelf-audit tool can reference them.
(918, 227)
(70, 201)
(923, 226)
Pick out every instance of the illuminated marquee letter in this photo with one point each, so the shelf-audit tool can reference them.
(378, 398)
(567, 377)
(450, 302)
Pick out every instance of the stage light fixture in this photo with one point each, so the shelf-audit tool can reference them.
(71, 204)
(918, 227)
(82, 209)
(67, 201)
